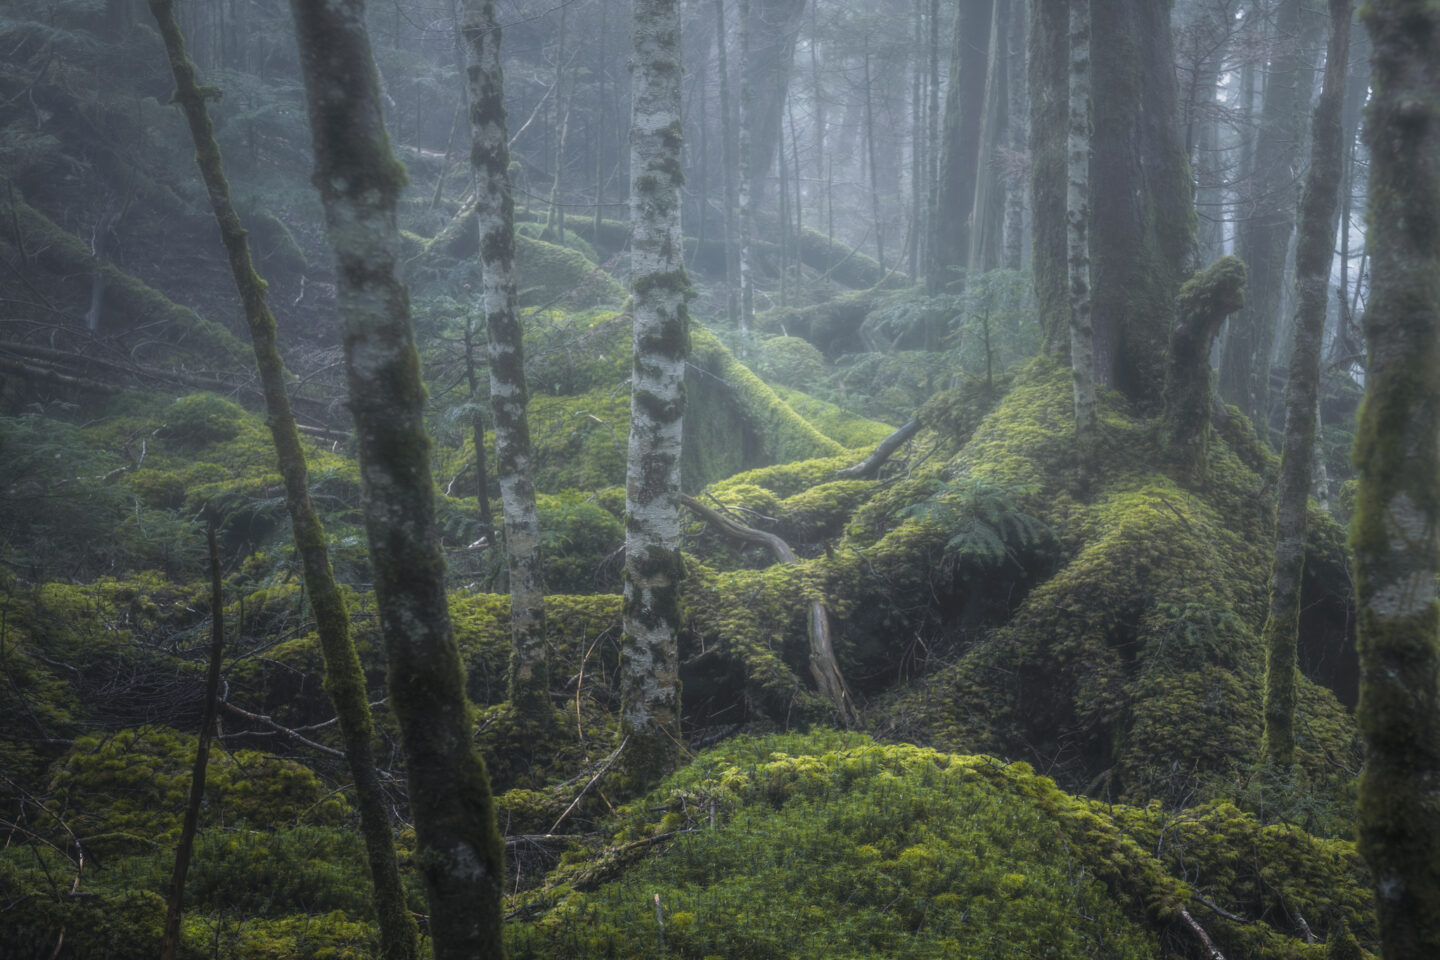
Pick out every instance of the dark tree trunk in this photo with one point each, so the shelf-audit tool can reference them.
(1312, 282)
(459, 851)
(1397, 507)
(959, 142)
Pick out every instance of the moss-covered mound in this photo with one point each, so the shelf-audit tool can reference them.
(832, 845)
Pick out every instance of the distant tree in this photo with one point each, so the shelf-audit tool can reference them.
(650, 679)
(495, 212)
(460, 854)
(1396, 531)
(1312, 282)
(344, 678)
(1263, 232)
(959, 142)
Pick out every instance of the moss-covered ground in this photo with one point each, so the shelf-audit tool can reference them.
(1079, 675)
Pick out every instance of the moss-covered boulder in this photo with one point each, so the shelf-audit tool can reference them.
(832, 845)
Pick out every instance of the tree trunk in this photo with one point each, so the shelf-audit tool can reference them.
(1202, 306)
(988, 206)
(344, 678)
(959, 139)
(529, 684)
(746, 186)
(459, 851)
(1263, 233)
(650, 684)
(1077, 223)
(870, 157)
(727, 165)
(170, 939)
(1049, 122)
(1397, 506)
(773, 26)
(1302, 393)
(1016, 185)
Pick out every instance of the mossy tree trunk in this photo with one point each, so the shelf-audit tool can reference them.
(1077, 223)
(1312, 281)
(746, 187)
(495, 211)
(1263, 233)
(1049, 87)
(959, 171)
(1397, 507)
(1142, 223)
(344, 678)
(650, 679)
(459, 850)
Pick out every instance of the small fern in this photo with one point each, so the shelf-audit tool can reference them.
(987, 525)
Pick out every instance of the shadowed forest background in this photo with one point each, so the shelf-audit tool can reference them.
(999, 323)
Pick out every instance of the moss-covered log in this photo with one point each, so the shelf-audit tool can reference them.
(1397, 508)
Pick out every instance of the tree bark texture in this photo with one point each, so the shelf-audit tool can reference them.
(1312, 281)
(459, 851)
(1397, 507)
(1201, 308)
(344, 677)
(529, 680)
(1266, 221)
(1049, 123)
(1142, 223)
(727, 166)
(959, 143)
(1077, 223)
(650, 680)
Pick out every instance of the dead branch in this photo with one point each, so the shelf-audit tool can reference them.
(867, 469)
(824, 668)
(1210, 949)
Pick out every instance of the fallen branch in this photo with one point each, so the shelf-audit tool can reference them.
(823, 665)
(284, 731)
(866, 469)
(590, 783)
(1211, 950)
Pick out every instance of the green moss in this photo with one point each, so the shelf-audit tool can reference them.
(848, 429)
(834, 845)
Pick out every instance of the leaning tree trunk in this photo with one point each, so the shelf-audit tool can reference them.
(1077, 223)
(495, 211)
(1312, 281)
(1397, 507)
(649, 673)
(344, 678)
(459, 851)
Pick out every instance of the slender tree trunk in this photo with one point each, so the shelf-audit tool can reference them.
(1397, 507)
(1077, 223)
(988, 206)
(459, 851)
(509, 395)
(959, 143)
(170, 939)
(746, 186)
(1016, 199)
(1302, 394)
(917, 143)
(1049, 125)
(344, 678)
(477, 428)
(773, 26)
(649, 677)
(727, 165)
(870, 154)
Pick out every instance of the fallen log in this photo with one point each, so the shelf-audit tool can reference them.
(866, 469)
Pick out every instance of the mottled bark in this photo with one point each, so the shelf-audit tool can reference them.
(1267, 219)
(1016, 184)
(344, 678)
(746, 186)
(1312, 281)
(1201, 308)
(1077, 223)
(1397, 506)
(649, 677)
(959, 143)
(459, 851)
(509, 396)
